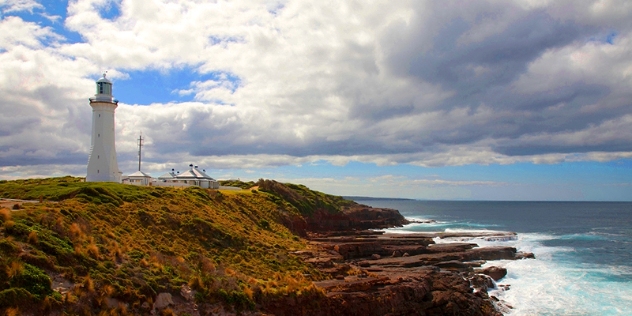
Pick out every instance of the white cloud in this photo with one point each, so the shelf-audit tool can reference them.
(11, 6)
(296, 82)
(15, 32)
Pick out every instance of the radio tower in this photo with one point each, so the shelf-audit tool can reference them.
(140, 146)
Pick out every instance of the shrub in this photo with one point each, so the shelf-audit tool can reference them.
(57, 296)
(14, 269)
(5, 214)
(16, 228)
(93, 251)
(264, 224)
(239, 300)
(34, 280)
(9, 247)
(15, 297)
(32, 238)
(38, 260)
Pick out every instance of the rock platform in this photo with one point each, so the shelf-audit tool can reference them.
(370, 272)
(376, 273)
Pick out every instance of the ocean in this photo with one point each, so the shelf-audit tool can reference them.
(583, 250)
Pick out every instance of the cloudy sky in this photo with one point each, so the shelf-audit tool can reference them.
(497, 99)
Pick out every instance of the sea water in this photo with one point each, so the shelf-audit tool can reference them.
(583, 250)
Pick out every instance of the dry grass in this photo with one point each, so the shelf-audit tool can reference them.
(129, 242)
(32, 238)
(5, 214)
(14, 269)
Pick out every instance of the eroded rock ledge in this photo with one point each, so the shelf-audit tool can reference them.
(374, 273)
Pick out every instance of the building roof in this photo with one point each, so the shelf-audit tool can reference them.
(139, 174)
(168, 175)
(193, 173)
(104, 79)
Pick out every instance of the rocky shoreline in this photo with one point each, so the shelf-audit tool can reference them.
(376, 273)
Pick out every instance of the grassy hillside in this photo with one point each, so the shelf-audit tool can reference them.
(301, 199)
(110, 247)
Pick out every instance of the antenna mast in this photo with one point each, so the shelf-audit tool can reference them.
(140, 146)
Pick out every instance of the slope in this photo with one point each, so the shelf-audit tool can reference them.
(89, 248)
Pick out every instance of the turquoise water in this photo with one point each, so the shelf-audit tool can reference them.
(583, 250)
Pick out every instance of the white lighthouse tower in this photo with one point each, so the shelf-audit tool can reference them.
(102, 165)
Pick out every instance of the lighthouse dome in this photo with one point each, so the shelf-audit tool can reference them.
(104, 89)
(104, 79)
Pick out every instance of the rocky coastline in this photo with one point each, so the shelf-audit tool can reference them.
(376, 273)
(106, 248)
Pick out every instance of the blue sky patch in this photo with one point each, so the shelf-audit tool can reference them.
(111, 10)
(610, 38)
(157, 86)
(53, 15)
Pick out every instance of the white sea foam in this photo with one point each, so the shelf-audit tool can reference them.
(415, 226)
(467, 230)
(583, 271)
(549, 285)
(552, 284)
(418, 218)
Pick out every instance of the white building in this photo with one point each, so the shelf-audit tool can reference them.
(102, 164)
(193, 176)
(138, 178)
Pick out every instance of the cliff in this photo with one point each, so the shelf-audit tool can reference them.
(91, 248)
(322, 212)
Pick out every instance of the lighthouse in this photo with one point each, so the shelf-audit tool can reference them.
(102, 164)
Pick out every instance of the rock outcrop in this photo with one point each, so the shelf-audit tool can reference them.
(354, 217)
(371, 276)
(495, 273)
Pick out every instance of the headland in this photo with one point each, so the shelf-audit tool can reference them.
(268, 249)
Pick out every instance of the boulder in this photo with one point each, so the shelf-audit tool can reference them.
(187, 292)
(163, 300)
(524, 255)
(494, 272)
(481, 282)
(375, 256)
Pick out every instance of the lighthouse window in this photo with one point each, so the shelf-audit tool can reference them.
(98, 135)
(99, 115)
(97, 170)
(100, 87)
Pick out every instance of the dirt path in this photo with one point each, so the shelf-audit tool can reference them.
(10, 203)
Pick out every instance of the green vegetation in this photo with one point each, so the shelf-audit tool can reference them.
(301, 199)
(94, 242)
(237, 183)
